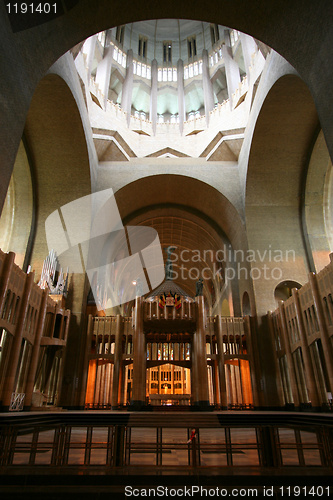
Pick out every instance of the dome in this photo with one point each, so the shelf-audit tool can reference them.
(188, 68)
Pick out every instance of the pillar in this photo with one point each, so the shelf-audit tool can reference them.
(231, 67)
(254, 369)
(86, 368)
(153, 96)
(89, 49)
(122, 385)
(17, 341)
(194, 372)
(172, 379)
(35, 351)
(126, 96)
(248, 48)
(139, 357)
(117, 365)
(220, 360)
(290, 362)
(238, 382)
(207, 86)
(103, 72)
(181, 94)
(199, 340)
(308, 368)
(324, 336)
(276, 360)
(215, 381)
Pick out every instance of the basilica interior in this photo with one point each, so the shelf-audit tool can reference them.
(166, 229)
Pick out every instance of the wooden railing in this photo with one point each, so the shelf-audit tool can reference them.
(186, 311)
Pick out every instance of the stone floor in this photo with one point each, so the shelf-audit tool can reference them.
(175, 448)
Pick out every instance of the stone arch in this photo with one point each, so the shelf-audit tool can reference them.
(57, 145)
(55, 138)
(194, 201)
(106, 15)
(17, 218)
(246, 305)
(318, 204)
(29, 64)
(284, 129)
(284, 290)
(225, 310)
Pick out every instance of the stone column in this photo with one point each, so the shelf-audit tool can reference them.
(290, 362)
(215, 382)
(35, 351)
(122, 386)
(5, 277)
(159, 380)
(86, 360)
(17, 341)
(194, 372)
(228, 383)
(199, 341)
(139, 358)
(126, 96)
(231, 68)
(89, 48)
(181, 94)
(308, 368)
(207, 86)
(117, 366)
(103, 72)
(324, 336)
(172, 379)
(248, 48)
(254, 369)
(220, 360)
(153, 96)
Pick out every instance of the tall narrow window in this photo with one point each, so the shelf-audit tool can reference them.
(120, 34)
(191, 47)
(214, 33)
(101, 37)
(142, 47)
(167, 52)
(234, 35)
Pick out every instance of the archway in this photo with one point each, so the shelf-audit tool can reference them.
(211, 227)
(286, 125)
(284, 290)
(284, 129)
(56, 142)
(17, 218)
(318, 204)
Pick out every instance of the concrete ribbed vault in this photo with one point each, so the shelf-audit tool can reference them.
(187, 213)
